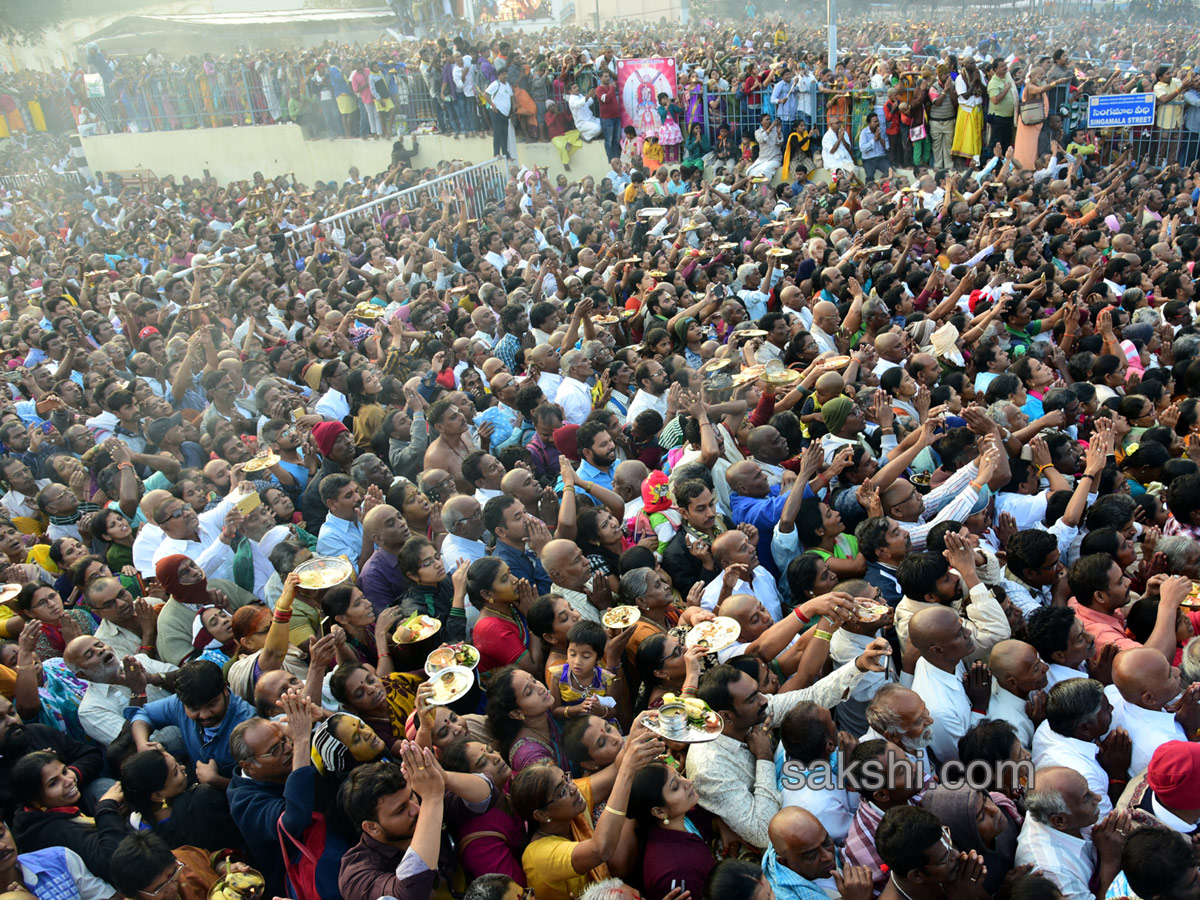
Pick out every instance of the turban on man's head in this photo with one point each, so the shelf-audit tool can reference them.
(835, 413)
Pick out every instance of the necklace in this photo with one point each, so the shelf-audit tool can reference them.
(516, 618)
(461, 454)
(900, 889)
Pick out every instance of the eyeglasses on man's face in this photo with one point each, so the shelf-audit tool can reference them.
(162, 887)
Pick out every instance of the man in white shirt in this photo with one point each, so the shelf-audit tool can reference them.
(837, 150)
(127, 625)
(1018, 686)
(617, 175)
(572, 579)
(205, 538)
(825, 321)
(544, 360)
(501, 94)
(494, 254)
(890, 348)
(809, 739)
(942, 640)
(485, 473)
(1062, 642)
(651, 379)
(933, 580)
(732, 551)
(778, 335)
(1144, 685)
(574, 395)
(1078, 715)
(114, 685)
(462, 517)
(23, 488)
(735, 774)
(333, 404)
(1057, 812)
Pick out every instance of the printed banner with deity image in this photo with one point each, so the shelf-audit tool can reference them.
(639, 82)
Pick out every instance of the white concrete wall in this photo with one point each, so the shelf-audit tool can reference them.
(231, 154)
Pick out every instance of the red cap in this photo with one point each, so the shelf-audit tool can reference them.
(325, 434)
(1174, 774)
(146, 332)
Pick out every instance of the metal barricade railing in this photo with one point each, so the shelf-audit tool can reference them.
(40, 179)
(742, 113)
(1174, 143)
(482, 183)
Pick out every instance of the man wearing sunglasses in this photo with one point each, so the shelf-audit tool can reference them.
(144, 868)
(207, 538)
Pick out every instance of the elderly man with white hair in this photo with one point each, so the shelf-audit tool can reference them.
(574, 395)
(1059, 812)
(114, 684)
(751, 281)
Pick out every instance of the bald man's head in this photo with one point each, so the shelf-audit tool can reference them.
(92, 659)
(825, 316)
(739, 606)
(386, 527)
(1145, 678)
(150, 503)
(565, 564)
(734, 548)
(830, 384)
(744, 478)
(463, 516)
(628, 478)
(1017, 668)
(1062, 800)
(802, 843)
(940, 636)
(888, 345)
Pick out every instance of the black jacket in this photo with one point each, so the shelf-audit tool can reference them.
(200, 817)
(37, 829)
(311, 505)
(684, 568)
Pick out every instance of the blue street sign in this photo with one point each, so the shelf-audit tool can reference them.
(1120, 110)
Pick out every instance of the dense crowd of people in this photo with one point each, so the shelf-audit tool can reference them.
(680, 535)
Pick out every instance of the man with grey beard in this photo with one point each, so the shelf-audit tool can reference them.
(114, 684)
(899, 715)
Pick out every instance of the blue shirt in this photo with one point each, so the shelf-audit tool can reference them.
(524, 564)
(341, 537)
(763, 513)
(53, 873)
(338, 82)
(869, 147)
(202, 743)
(594, 474)
(1033, 408)
(297, 471)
